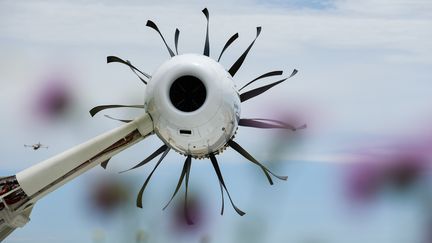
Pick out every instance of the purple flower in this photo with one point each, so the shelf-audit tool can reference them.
(54, 98)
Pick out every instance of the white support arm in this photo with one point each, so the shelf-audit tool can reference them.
(45, 177)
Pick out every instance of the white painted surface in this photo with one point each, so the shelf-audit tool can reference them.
(41, 175)
(213, 124)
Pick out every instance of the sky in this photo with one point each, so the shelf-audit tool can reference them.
(363, 84)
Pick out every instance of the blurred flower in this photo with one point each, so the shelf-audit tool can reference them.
(404, 172)
(363, 182)
(195, 212)
(107, 195)
(398, 171)
(54, 98)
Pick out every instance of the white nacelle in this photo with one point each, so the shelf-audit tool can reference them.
(194, 105)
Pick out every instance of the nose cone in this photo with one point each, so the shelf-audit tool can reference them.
(194, 104)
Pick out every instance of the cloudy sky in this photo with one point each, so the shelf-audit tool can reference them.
(364, 80)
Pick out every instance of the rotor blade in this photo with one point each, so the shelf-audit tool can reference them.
(228, 43)
(268, 123)
(286, 125)
(136, 74)
(141, 192)
(252, 93)
(207, 41)
(236, 66)
(269, 74)
(180, 181)
(105, 163)
(186, 209)
(127, 63)
(223, 199)
(99, 108)
(245, 154)
(116, 119)
(236, 147)
(148, 159)
(176, 39)
(221, 181)
(152, 25)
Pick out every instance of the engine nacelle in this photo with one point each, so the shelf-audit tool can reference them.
(194, 105)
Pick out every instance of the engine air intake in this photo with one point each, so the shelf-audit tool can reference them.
(188, 93)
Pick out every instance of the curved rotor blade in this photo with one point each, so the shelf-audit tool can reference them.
(105, 163)
(252, 93)
(245, 154)
(176, 39)
(186, 209)
(269, 74)
(180, 181)
(148, 159)
(268, 123)
(223, 199)
(116, 119)
(99, 108)
(228, 43)
(236, 66)
(141, 192)
(207, 41)
(221, 181)
(136, 74)
(111, 59)
(152, 25)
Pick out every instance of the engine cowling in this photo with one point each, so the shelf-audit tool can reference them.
(194, 105)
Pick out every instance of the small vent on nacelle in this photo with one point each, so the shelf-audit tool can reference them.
(185, 132)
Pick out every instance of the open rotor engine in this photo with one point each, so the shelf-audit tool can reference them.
(195, 108)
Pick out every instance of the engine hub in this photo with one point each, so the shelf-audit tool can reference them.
(194, 105)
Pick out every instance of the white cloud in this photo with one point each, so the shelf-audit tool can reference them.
(387, 8)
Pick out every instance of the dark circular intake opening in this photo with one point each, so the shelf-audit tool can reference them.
(188, 93)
